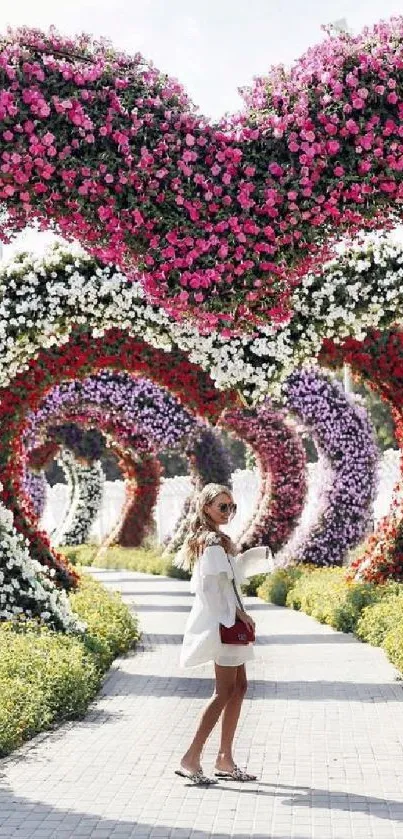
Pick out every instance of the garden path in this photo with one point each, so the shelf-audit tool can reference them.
(322, 726)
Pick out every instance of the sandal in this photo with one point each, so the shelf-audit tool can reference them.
(236, 774)
(196, 778)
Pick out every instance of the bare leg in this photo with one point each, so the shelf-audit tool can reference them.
(225, 761)
(224, 688)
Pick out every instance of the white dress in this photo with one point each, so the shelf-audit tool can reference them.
(215, 603)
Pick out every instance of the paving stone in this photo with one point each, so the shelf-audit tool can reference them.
(321, 726)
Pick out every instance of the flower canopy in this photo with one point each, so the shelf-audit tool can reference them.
(221, 221)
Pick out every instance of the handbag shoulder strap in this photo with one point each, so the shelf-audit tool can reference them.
(234, 586)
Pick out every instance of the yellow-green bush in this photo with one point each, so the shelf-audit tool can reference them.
(327, 596)
(275, 586)
(46, 676)
(144, 560)
(111, 628)
(377, 620)
(251, 586)
(373, 612)
(393, 645)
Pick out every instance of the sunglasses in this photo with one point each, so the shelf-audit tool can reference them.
(227, 508)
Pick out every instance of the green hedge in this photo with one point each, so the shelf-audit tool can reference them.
(145, 560)
(326, 595)
(373, 612)
(46, 676)
(276, 585)
(375, 623)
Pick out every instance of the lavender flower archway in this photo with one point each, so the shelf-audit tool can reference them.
(345, 439)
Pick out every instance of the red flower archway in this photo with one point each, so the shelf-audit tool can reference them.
(81, 356)
(141, 471)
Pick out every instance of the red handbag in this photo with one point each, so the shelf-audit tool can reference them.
(239, 633)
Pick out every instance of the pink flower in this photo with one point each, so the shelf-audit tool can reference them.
(275, 170)
(352, 126)
(48, 139)
(333, 146)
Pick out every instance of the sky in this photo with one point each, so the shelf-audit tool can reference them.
(212, 46)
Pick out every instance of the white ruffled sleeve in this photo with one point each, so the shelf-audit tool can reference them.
(214, 560)
(253, 561)
(215, 589)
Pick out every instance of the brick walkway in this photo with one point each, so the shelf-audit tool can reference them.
(322, 726)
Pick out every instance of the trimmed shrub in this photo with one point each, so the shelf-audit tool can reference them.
(111, 628)
(48, 676)
(327, 596)
(276, 585)
(251, 586)
(378, 619)
(144, 560)
(393, 645)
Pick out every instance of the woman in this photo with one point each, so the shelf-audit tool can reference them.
(216, 578)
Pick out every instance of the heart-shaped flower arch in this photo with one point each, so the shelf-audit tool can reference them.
(221, 219)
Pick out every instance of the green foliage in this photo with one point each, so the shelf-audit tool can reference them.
(251, 586)
(373, 612)
(173, 463)
(47, 676)
(380, 414)
(79, 554)
(393, 645)
(145, 560)
(276, 585)
(378, 620)
(327, 596)
(111, 628)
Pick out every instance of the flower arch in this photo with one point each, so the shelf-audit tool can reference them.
(379, 361)
(80, 357)
(221, 220)
(86, 484)
(140, 469)
(79, 459)
(138, 404)
(282, 464)
(344, 435)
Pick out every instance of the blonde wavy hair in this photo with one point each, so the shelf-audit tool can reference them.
(202, 530)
